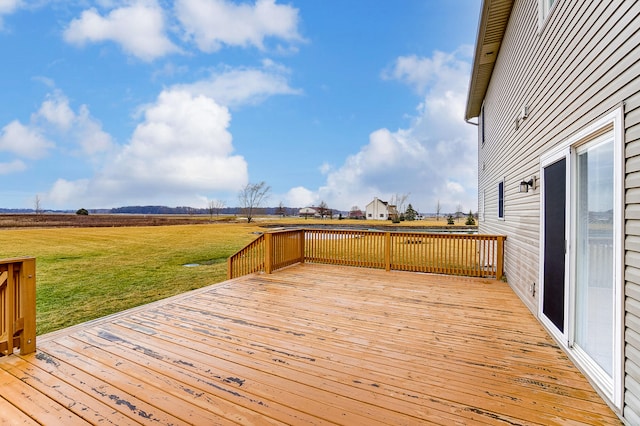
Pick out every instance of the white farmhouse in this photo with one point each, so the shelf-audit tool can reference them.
(308, 212)
(380, 210)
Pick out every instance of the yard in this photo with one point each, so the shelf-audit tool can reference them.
(86, 270)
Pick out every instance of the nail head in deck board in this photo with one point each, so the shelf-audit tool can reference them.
(468, 351)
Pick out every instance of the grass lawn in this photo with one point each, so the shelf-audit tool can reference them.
(86, 273)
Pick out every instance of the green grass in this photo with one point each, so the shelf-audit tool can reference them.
(86, 273)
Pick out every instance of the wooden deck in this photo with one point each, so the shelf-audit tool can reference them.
(310, 344)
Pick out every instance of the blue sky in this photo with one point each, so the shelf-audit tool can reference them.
(110, 103)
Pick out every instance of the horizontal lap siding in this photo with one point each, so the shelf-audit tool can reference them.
(582, 64)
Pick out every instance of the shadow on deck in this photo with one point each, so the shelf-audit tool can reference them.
(310, 344)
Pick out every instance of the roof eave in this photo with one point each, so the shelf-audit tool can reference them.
(494, 17)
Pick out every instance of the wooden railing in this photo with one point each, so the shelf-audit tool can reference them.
(283, 249)
(17, 305)
(453, 254)
(248, 260)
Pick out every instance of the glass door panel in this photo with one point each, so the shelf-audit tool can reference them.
(594, 286)
(554, 253)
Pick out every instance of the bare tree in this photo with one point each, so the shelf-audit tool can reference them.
(251, 196)
(214, 206)
(281, 210)
(323, 209)
(398, 201)
(438, 210)
(459, 213)
(37, 205)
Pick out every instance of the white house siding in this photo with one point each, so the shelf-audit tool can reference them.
(632, 257)
(573, 70)
(377, 210)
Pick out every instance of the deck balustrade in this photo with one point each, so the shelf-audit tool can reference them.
(453, 254)
(17, 305)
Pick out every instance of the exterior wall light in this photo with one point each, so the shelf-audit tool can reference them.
(524, 185)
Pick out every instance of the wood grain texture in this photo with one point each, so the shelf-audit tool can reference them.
(309, 344)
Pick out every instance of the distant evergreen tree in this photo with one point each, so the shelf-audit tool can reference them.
(470, 219)
(410, 213)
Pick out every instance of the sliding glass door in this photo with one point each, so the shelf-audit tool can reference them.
(594, 239)
(581, 235)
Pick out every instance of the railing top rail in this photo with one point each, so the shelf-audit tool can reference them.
(453, 233)
(15, 259)
(249, 244)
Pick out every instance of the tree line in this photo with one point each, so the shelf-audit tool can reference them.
(251, 197)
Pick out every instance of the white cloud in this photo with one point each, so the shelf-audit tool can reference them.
(424, 74)
(139, 28)
(240, 86)
(9, 6)
(435, 158)
(300, 196)
(64, 190)
(55, 110)
(54, 125)
(214, 23)
(325, 168)
(56, 118)
(24, 141)
(181, 150)
(89, 134)
(14, 166)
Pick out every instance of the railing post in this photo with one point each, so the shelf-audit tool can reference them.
(268, 253)
(28, 306)
(230, 268)
(18, 310)
(9, 313)
(387, 250)
(302, 243)
(500, 257)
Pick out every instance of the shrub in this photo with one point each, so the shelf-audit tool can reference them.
(450, 220)
(470, 219)
(83, 212)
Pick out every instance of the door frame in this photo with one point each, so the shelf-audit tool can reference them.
(546, 160)
(612, 122)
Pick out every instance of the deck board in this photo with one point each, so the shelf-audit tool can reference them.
(310, 344)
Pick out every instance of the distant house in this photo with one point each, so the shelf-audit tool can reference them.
(308, 212)
(356, 214)
(555, 90)
(380, 210)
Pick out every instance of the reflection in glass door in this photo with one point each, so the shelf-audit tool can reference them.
(594, 283)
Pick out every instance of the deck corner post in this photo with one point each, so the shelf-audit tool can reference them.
(387, 251)
(9, 307)
(268, 253)
(230, 267)
(28, 306)
(500, 258)
(302, 244)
